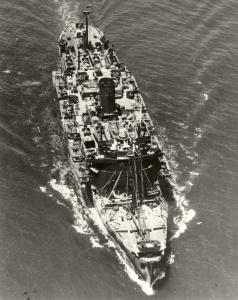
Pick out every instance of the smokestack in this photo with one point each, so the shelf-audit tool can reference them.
(107, 95)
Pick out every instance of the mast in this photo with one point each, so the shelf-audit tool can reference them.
(142, 182)
(87, 13)
(136, 179)
(134, 170)
(134, 184)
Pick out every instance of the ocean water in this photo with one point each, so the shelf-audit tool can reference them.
(184, 55)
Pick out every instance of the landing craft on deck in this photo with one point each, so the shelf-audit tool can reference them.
(118, 158)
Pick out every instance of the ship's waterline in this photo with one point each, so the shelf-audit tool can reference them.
(178, 52)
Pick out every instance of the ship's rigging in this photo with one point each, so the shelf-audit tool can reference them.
(137, 182)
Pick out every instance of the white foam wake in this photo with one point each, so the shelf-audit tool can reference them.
(171, 259)
(186, 214)
(80, 224)
(95, 242)
(134, 277)
(43, 189)
(181, 222)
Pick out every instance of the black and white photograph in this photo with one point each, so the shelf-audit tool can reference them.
(119, 150)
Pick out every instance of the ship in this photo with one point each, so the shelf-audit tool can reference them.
(118, 159)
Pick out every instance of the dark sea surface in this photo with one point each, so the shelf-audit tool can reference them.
(184, 55)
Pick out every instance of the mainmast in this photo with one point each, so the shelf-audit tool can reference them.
(134, 184)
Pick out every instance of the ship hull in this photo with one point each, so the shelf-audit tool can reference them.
(117, 156)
